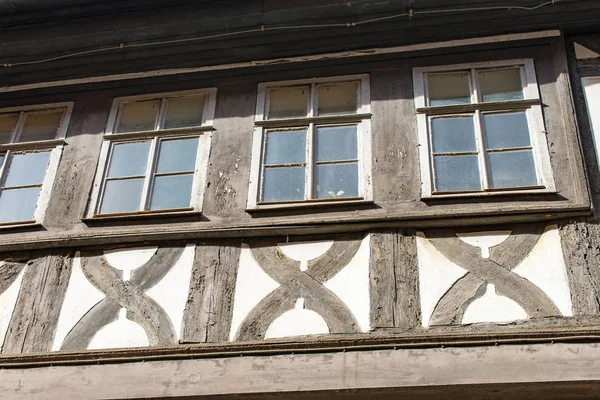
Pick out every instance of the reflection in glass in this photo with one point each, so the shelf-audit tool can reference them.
(184, 112)
(138, 116)
(450, 88)
(177, 155)
(512, 169)
(340, 98)
(501, 84)
(456, 173)
(288, 102)
(7, 125)
(18, 204)
(336, 181)
(27, 169)
(122, 196)
(41, 126)
(129, 159)
(171, 192)
(285, 147)
(335, 143)
(506, 130)
(451, 135)
(283, 184)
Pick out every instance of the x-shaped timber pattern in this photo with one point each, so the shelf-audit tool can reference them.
(125, 294)
(496, 269)
(297, 284)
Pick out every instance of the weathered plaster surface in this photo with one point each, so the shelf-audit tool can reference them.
(8, 300)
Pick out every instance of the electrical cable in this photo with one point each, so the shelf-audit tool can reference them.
(411, 13)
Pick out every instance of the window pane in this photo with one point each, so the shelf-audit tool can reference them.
(177, 155)
(122, 196)
(453, 173)
(42, 126)
(139, 116)
(449, 135)
(337, 99)
(27, 169)
(185, 111)
(282, 184)
(129, 159)
(7, 124)
(335, 143)
(445, 89)
(171, 192)
(336, 181)
(18, 204)
(512, 169)
(286, 147)
(288, 102)
(1, 161)
(506, 130)
(501, 85)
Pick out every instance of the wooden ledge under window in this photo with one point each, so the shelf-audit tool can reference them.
(537, 191)
(310, 205)
(180, 213)
(19, 225)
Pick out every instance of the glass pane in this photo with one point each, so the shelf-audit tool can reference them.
(171, 192)
(129, 159)
(1, 161)
(18, 204)
(122, 196)
(512, 169)
(283, 184)
(445, 89)
(453, 173)
(501, 85)
(177, 155)
(27, 169)
(138, 116)
(286, 147)
(450, 135)
(506, 130)
(337, 99)
(7, 124)
(336, 181)
(334, 143)
(185, 111)
(42, 126)
(288, 102)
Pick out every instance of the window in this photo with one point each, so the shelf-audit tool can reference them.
(155, 154)
(31, 140)
(481, 129)
(311, 142)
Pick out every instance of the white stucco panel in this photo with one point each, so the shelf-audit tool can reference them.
(492, 307)
(545, 268)
(81, 296)
(8, 301)
(252, 285)
(171, 292)
(436, 275)
(351, 285)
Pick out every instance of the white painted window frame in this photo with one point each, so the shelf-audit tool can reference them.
(531, 104)
(362, 119)
(55, 146)
(111, 137)
(591, 91)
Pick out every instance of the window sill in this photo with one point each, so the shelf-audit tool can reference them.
(470, 195)
(142, 215)
(19, 225)
(314, 204)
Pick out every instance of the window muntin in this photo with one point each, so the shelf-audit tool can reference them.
(481, 129)
(30, 147)
(155, 154)
(312, 136)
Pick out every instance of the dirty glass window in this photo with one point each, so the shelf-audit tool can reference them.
(28, 143)
(482, 128)
(310, 135)
(152, 153)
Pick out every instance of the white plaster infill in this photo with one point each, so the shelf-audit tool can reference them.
(297, 322)
(484, 240)
(8, 301)
(492, 307)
